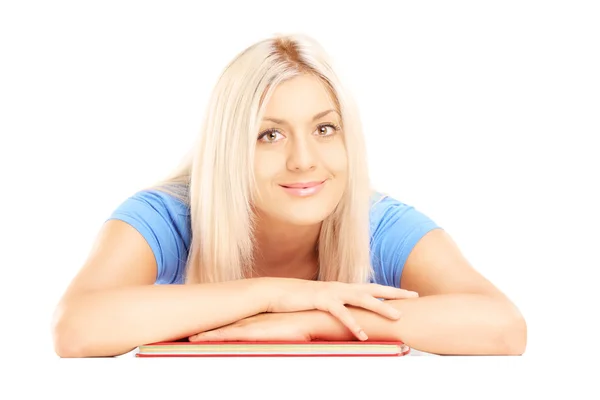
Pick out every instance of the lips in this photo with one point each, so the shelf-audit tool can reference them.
(302, 185)
(303, 189)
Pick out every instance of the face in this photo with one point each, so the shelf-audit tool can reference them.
(300, 162)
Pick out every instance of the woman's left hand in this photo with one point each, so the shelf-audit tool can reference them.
(261, 327)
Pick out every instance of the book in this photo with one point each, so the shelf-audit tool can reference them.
(273, 349)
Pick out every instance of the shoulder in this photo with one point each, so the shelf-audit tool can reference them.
(161, 201)
(154, 208)
(386, 212)
(163, 220)
(395, 229)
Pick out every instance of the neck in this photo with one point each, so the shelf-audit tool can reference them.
(286, 250)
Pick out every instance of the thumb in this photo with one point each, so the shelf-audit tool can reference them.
(210, 336)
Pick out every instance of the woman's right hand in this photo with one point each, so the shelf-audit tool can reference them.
(290, 295)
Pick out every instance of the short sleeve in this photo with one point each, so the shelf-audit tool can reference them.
(395, 230)
(163, 221)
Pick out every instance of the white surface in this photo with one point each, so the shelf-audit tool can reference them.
(412, 353)
(484, 115)
(418, 353)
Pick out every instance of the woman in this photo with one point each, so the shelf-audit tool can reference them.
(270, 231)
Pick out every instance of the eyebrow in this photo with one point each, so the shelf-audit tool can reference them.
(316, 117)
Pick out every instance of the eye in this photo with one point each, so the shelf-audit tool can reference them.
(326, 130)
(270, 135)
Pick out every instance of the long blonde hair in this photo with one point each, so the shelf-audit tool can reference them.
(216, 179)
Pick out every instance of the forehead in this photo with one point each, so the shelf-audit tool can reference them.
(299, 98)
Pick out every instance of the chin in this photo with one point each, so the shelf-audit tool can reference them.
(304, 221)
(305, 215)
(302, 211)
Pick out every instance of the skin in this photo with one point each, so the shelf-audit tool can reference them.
(113, 305)
(299, 148)
(458, 311)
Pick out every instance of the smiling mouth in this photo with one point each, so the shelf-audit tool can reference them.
(304, 185)
(303, 189)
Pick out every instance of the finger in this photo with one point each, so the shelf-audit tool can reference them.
(216, 335)
(201, 337)
(389, 292)
(380, 307)
(345, 316)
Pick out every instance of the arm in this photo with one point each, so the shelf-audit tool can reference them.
(116, 321)
(458, 311)
(459, 324)
(112, 306)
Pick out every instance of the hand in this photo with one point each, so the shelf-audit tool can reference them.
(261, 327)
(299, 295)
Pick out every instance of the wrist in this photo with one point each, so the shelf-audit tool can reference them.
(265, 292)
(321, 325)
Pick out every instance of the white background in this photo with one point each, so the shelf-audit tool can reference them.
(483, 115)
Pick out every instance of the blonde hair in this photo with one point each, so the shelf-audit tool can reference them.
(216, 178)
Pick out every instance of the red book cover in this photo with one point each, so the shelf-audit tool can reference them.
(273, 349)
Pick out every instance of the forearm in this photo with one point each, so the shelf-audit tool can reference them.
(113, 322)
(457, 324)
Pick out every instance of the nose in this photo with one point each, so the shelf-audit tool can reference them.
(302, 155)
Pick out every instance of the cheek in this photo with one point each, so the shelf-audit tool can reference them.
(335, 159)
(266, 165)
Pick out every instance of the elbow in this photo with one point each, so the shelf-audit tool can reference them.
(68, 340)
(514, 336)
(66, 348)
(66, 343)
(74, 338)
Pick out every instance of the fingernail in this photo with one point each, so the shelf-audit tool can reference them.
(396, 314)
(413, 293)
(362, 335)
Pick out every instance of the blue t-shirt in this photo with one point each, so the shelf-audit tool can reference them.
(164, 221)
